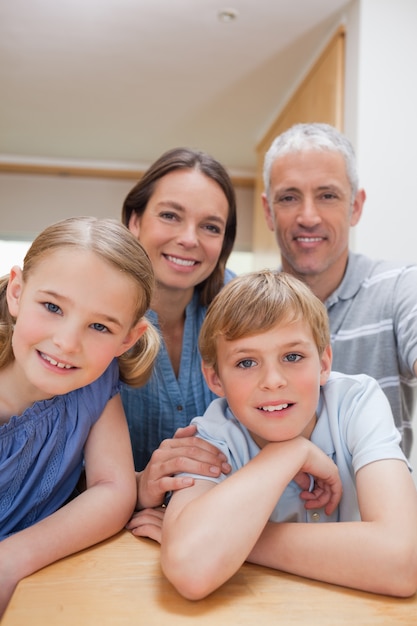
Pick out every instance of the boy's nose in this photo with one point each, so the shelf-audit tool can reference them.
(273, 378)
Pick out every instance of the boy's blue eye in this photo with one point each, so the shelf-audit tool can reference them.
(245, 363)
(293, 357)
(100, 327)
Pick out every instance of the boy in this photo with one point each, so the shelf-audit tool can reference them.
(266, 351)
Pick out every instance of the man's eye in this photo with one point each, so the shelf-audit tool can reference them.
(246, 363)
(100, 327)
(285, 199)
(53, 308)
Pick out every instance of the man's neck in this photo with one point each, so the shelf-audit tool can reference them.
(323, 284)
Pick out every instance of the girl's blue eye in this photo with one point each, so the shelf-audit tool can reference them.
(53, 308)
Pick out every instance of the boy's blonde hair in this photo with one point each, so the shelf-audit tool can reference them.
(116, 245)
(253, 303)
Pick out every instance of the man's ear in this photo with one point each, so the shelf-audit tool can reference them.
(131, 338)
(268, 213)
(14, 290)
(212, 379)
(326, 365)
(357, 207)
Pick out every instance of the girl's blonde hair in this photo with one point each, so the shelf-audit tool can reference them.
(116, 245)
(253, 303)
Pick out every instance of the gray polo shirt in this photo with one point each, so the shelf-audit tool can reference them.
(373, 321)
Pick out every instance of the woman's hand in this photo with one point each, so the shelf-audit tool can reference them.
(184, 453)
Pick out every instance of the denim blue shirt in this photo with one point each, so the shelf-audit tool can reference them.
(165, 403)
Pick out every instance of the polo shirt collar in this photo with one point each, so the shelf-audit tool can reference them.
(357, 267)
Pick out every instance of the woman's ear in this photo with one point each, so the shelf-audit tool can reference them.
(212, 379)
(134, 224)
(14, 290)
(132, 337)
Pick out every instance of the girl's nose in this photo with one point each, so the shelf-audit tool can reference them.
(68, 339)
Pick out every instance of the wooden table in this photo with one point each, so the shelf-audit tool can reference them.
(119, 582)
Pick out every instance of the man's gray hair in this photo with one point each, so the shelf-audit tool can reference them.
(311, 137)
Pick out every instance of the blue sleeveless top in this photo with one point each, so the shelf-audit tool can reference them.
(41, 452)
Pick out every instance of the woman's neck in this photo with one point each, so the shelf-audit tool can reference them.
(170, 305)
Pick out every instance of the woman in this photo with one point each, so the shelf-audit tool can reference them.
(183, 212)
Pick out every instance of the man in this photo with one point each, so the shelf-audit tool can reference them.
(311, 201)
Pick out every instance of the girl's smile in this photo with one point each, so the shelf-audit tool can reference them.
(66, 332)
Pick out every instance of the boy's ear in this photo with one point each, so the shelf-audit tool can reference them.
(212, 379)
(14, 290)
(326, 364)
(131, 338)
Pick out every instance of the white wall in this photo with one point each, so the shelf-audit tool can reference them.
(29, 203)
(381, 121)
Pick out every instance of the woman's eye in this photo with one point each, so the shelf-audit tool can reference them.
(168, 216)
(213, 229)
(293, 358)
(100, 327)
(246, 363)
(51, 307)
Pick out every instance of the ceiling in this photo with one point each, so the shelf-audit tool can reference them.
(121, 81)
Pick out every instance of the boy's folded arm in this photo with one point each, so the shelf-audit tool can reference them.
(377, 554)
(209, 529)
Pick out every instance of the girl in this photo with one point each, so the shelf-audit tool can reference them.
(65, 318)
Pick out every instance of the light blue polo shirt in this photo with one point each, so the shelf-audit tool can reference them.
(354, 427)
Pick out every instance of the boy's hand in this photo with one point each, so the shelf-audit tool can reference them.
(321, 495)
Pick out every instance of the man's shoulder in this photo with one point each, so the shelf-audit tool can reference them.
(363, 272)
(367, 266)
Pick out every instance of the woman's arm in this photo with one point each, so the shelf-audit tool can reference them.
(99, 512)
(209, 530)
(184, 453)
(377, 554)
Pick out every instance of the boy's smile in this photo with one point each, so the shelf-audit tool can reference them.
(272, 380)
